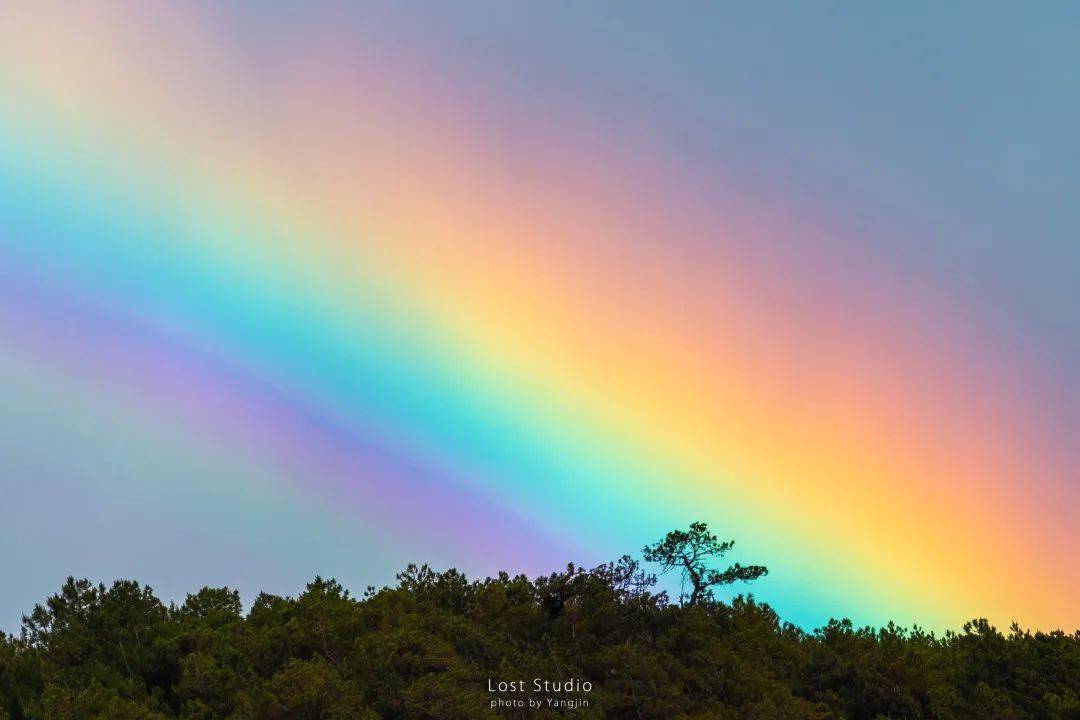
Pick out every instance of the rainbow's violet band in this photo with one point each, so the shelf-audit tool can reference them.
(340, 296)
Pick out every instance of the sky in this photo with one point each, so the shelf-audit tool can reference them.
(291, 289)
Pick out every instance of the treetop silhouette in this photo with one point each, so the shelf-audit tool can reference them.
(690, 552)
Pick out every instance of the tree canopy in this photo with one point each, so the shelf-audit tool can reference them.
(430, 646)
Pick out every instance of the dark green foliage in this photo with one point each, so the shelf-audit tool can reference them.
(427, 647)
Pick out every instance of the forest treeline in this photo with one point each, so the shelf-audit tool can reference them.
(434, 645)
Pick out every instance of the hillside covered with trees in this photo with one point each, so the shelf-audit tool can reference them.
(600, 643)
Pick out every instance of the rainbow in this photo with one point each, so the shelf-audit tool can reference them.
(284, 295)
